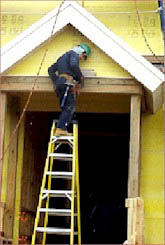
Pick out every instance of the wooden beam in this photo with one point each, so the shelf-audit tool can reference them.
(13, 108)
(92, 85)
(155, 59)
(88, 79)
(134, 153)
(135, 221)
(140, 222)
(18, 182)
(2, 129)
(6, 155)
(100, 102)
(131, 221)
(4, 174)
(113, 89)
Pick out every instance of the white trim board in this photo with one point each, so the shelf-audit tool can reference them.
(73, 13)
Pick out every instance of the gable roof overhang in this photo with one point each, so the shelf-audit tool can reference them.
(113, 46)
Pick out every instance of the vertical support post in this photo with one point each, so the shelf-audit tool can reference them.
(2, 127)
(13, 110)
(18, 182)
(134, 153)
(140, 222)
(135, 231)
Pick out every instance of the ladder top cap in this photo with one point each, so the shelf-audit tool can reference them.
(63, 138)
(73, 121)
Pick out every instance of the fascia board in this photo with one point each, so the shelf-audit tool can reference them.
(116, 48)
(154, 99)
(33, 37)
(157, 98)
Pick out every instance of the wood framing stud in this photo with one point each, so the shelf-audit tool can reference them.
(135, 221)
(2, 126)
(13, 107)
(134, 153)
(155, 59)
(18, 182)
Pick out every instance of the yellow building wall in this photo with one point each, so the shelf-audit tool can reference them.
(19, 15)
(152, 176)
(119, 16)
(98, 61)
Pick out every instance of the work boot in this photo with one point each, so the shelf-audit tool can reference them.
(61, 132)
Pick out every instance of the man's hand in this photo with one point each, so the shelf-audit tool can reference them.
(76, 89)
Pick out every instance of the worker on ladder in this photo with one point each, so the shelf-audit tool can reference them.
(67, 79)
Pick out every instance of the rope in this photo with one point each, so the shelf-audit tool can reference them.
(150, 49)
(163, 90)
(25, 37)
(32, 89)
(163, 85)
(143, 32)
(163, 30)
(25, 107)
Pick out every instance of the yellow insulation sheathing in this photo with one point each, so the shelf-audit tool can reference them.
(118, 16)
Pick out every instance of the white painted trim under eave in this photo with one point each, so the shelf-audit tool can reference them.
(33, 37)
(116, 48)
(73, 13)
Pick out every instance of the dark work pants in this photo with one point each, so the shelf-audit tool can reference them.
(69, 107)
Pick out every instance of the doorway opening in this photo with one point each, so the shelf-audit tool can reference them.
(103, 154)
(103, 163)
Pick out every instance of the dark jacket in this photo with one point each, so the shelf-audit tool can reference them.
(67, 63)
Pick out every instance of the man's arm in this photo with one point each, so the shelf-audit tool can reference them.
(74, 65)
(51, 71)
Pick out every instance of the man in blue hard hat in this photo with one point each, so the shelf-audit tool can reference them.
(67, 79)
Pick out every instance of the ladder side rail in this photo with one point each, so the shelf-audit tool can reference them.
(39, 203)
(48, 197)
(78, 187)
(42, 188)
(73, 188)
(50, 143)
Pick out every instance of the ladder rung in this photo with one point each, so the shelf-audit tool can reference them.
(61, 156)
(55, 193)
(58, 138)
(56, 212)
(54, 230)
(64, 175)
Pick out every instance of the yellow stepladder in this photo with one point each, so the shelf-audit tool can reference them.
(48, 192)
(75, 189)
